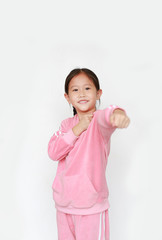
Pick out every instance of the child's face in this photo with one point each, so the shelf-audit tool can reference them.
(82, 88)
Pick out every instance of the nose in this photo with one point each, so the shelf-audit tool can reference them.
(82, 93)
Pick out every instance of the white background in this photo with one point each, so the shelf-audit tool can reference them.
(40, 43)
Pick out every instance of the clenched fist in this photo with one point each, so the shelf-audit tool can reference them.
(119, 119)
(83, 124)
(85, 121)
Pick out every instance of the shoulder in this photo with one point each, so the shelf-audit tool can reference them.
(67, 121)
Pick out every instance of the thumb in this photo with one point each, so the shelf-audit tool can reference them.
(112, 120)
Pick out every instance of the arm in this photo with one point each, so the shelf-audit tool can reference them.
(61, 143)
(104, 121)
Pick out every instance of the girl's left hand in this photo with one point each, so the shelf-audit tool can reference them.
(119, 119)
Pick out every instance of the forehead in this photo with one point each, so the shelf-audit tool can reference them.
(80, 80)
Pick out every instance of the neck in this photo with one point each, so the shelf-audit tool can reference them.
(81, 114)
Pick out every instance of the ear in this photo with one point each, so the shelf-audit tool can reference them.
(67, 97)
(99, 93)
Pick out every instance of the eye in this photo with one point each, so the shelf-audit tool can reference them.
(74, 90)
(87, 88)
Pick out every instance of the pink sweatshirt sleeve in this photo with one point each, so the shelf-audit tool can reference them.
(61, 143)
(103, 119)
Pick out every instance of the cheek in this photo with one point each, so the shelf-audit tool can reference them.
(73, 98)
(93, 95)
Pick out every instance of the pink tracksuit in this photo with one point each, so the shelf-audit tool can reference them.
(80, 189)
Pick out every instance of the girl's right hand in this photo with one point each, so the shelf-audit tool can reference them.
(83, 124)
(85, 121)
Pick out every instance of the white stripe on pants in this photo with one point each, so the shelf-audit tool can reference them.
(104, 226)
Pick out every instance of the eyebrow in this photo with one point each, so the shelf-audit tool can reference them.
(83, 85)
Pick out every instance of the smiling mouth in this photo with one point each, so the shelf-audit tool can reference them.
(83, 102)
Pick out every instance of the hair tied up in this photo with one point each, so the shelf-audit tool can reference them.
(90, 74)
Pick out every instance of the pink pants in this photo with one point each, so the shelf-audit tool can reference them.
(81, 227)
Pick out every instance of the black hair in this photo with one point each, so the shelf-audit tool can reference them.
(90, 74)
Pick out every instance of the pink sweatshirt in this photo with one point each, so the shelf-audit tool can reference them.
(80, 185)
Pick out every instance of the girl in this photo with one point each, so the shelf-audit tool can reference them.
(81, 146)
